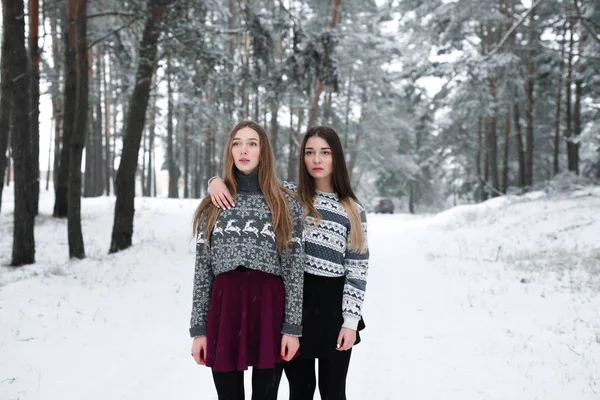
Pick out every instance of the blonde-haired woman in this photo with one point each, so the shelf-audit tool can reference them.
(336, 266)
(247, 299)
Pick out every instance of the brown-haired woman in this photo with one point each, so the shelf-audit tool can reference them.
(247, 300)
(336, 266)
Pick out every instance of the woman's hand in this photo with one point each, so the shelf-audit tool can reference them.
(346, 339)
(199, 350)
(289, 347)
(219, 194)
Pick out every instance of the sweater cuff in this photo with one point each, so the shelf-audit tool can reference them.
(198, 330)
(351, 322)
(209, 181)
(291, 330)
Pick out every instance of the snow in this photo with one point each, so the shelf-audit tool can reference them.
(498, 300)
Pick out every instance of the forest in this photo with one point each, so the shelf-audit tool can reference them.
(438, 102)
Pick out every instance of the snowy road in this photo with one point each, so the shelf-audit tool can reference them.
(468, 304)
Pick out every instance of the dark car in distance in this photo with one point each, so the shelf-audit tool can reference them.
(384, 206)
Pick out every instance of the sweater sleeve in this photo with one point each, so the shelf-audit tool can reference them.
(203, 279)
(292, 263)
(356, 267)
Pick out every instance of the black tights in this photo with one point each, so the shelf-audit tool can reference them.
(265, 383)
(332, 377)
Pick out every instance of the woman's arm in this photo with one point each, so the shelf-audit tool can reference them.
(356, 267)
(219, 194)
(221, 197)
(203, 279)
(292, 264)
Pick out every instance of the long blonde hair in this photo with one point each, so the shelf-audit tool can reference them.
(206, 213)
(341, 185)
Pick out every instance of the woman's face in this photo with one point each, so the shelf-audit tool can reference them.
(245, 150)
(317, 158)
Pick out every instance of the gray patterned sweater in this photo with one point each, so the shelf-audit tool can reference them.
(328, 254)
(244, 236)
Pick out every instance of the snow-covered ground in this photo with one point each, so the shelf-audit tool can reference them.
(499, 300)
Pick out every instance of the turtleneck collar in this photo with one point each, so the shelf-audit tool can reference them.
(247, 183)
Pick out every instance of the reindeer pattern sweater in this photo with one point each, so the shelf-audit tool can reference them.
(328, 253)
(244, 236)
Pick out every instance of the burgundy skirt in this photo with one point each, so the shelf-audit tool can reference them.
(244, 321)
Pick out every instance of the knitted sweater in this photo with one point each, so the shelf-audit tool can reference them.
(327, 252)
(244, 236)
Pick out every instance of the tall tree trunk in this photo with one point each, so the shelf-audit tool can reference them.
(577, 110)
(486, 158)
(143, 169)
(151, 134)
(231, 46)
(556, 153)
(125, 181)
(57, 111)
(215, 165)
(568, 113)
(70, 102)
(274, 103)
(328, 107)
(208, 160)
(5, 108)
(90, 153)
(274, 127)
(77, 142)
(494, 157)
(34, 84)
(492, 143)
(108, 167)
(245, 76)
(411, 196)
(478, 153)
(519, 144)
(186, 156)
(347, 119)
(256, 107)
(506, 151)
(99, 168)
(173, 174)
(314, 110)
(197, 173)
(292, 173)
(530, 102)
(49, 166)
(23, 251)
(115, 115)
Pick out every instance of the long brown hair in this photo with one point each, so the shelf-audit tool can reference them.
(340, 180)
(206, 214)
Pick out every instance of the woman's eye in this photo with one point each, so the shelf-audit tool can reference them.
(326, 153)
(308, 153)
(253, 144)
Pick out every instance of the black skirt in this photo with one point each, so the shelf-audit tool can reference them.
(322, 316)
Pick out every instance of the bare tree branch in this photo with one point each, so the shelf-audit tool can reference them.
(512, 29)
(95, 42)
(111, 13)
